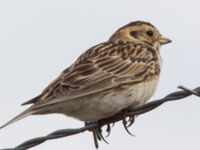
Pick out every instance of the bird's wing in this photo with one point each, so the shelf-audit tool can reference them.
(102, 67)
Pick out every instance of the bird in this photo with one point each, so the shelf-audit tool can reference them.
(122, 72)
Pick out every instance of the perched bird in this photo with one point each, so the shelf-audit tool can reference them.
(120, 73)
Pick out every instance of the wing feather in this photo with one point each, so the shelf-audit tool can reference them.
(103, 67)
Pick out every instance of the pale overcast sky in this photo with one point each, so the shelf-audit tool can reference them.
(40, 38)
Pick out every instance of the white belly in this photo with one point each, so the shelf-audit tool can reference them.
(102, 105)
(96, 108)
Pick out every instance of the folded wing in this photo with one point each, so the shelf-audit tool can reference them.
(100, 68)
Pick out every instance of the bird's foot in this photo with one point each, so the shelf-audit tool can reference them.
(128, 121)
(98, 132)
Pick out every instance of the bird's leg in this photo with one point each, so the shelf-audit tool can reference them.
(129, 122)
(96, 138)
(97, 133)
(108, 130)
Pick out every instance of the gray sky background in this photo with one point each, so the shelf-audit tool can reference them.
(40, 38)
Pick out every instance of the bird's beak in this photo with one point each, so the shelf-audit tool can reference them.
(163, 40)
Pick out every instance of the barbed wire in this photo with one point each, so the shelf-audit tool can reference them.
(122, 116)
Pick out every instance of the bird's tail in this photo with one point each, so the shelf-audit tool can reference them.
(22, 115)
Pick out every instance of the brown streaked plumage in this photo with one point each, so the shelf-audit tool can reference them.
(120, 73)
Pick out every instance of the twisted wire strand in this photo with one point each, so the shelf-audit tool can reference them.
(183, 93)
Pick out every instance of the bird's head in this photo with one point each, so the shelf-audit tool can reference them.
(140, 31)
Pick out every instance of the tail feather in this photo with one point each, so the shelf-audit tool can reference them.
(18, 117)
(33, 100)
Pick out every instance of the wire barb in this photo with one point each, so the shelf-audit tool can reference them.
(96, 128)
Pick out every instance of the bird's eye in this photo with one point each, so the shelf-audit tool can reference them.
(134, 34)
(149, 33)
